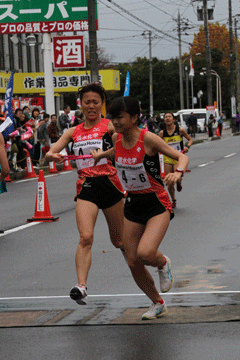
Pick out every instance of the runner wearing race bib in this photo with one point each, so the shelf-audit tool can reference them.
(98, 186)
(147, 208)
(173, 135)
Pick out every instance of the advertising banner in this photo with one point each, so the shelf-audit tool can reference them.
(31, 16)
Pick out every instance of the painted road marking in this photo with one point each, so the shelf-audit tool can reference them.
(227, 156)
(208, 163)
(21, 227)
(120, 295)
(36, 178)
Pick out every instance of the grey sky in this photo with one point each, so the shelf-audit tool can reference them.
(121, 36)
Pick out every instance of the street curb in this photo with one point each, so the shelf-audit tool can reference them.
(236, 134)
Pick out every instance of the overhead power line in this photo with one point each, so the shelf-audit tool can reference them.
(145, 23)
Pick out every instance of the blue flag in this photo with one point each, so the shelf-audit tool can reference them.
(127, 85)
(8, 108)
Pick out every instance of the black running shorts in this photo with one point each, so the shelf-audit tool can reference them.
(100, 191)
(140, 208)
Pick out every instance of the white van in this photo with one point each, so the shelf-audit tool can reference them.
(202, 116)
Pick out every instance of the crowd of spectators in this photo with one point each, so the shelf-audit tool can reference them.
(35, 132)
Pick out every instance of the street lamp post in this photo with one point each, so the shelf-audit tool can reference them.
(218, 88)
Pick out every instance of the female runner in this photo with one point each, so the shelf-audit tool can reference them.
(173, 135)
(98, 187)
(147, 210)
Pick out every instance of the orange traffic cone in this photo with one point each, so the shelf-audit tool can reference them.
(29, 168)
(163, 174)
(52, 167)
(8, 179)
(66, 164)
(42, 208)
(218, 132)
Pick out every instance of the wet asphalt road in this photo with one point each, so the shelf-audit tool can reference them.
(37, 270)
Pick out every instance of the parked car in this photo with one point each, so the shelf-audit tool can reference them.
(201, 115)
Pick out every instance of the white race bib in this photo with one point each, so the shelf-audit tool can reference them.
(175, 145)
(133, 177)
(83, 148)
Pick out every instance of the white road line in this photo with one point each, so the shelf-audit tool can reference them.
(227, 156)
(208, 163)
(36, 178)
(21, 227)
(121, 295)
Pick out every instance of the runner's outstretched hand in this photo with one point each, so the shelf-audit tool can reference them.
(172, 178)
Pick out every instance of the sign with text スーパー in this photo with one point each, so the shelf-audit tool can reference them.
(31, 16)
(63, 81)
(69, 51)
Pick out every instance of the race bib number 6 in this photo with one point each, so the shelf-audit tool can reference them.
(133, 177)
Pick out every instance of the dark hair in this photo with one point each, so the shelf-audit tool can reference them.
(35, 109)
(93, 87)
(45, 116)
(124, 104)
(17, 110)
(65, 107)
(25, 107)
(169, 112)
(53, 115)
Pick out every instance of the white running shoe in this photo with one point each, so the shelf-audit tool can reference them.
(155, 311)
(165, 276)
(79, 294)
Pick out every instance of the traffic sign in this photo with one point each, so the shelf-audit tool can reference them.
(30, 16)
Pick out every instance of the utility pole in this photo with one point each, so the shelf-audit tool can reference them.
(233, 99)
(150, 74)
(180, 64)
(92, 33)
(208, 53)
(237, 65)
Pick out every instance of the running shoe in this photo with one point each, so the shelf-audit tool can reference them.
(79, 294)
(155, 311)
(179, 186)
(165, 276)
(174, 204)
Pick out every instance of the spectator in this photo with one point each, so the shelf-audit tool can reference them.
(43, 137)
(237, 121)
(53, 130)
(26, 111)
(212, 125)
(4, 167)
(78, 118)
(220, 123)
(35, 151)
(64, 119)
(192, 124)
(16, 118)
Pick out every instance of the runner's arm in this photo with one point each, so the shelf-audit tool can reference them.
(154, 144)
(54, 153)
(99, 154)
(183, 133)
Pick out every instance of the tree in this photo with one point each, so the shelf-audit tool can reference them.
(219, 43)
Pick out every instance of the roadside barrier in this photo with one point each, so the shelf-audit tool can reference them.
(29, 168)
(42, 208)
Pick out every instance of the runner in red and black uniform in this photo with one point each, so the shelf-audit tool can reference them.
(98, 186)
(147, 209)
